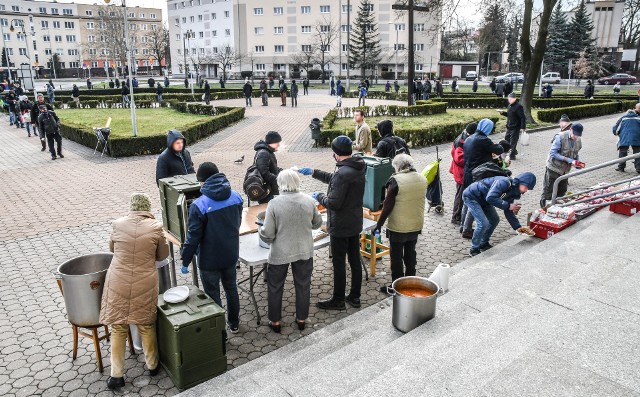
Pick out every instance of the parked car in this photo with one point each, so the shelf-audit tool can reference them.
(470, 76)
(513, 77)
(551, 77)
(621, 78)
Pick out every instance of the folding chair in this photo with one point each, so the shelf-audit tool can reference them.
(103, 136)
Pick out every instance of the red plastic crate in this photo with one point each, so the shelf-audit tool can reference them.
(544, 231)
(627, 208)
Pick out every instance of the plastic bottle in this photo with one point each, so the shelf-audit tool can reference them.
(379, 241)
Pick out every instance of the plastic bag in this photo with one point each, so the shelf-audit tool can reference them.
(524, 139)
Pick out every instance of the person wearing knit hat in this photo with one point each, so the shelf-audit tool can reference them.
(130, 294)
(390, 145)
(516, 123)
(267, 164)
(563, 155)
(483, 197)
(343, 202)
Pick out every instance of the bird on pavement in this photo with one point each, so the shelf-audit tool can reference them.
(240, 160)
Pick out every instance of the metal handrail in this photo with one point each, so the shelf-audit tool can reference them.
(554, 196)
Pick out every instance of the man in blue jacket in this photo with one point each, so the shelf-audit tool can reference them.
(481, 197)
(628, 130)
(214, 235)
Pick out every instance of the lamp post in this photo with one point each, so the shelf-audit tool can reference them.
(186, 35)
(12, 28)
(396, 49)
(134, 124)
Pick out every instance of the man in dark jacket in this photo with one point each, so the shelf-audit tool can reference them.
(343, 202)
(501, 192)
(111, 84)
(207, 92)
(282, 87)
(516, 123)
(628, 130)
(151, 82)
(264, 92)
(159, 91)
(214, 234)
(175, 159)
(35, 112)
(305, 86)
(166, 82)
(248, 91)
(125, 94)
(10, 98)
(589, 90)
(117, 82)
(294, 94)
(267, 163)
(49, 122)
(390, 145)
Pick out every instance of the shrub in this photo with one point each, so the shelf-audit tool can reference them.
(314, 74)
(495, 102)
(246, 74)
(394, 110)
(582, 111)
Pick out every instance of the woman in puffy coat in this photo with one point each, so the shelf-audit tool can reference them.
(131, 287)
(457, 169)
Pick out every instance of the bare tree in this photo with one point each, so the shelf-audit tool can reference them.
(532, 55)
(326, 34)
(158, 44)
(304, 59)
(631, 27)
(227, 58)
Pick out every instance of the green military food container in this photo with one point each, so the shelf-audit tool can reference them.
(176, 195)
(191, 339)
(378, 172)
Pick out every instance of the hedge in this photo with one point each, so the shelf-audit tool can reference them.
(394, 110)
(493, 103)
(583, 111)
(143, 145)
(231, 94)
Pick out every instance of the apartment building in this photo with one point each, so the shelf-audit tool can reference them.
(267, 34)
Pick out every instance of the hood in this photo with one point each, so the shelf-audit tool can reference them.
(217, 187)
(262, 145)
(485, 126)
(355, 162)
(527, 179)
(173, 136)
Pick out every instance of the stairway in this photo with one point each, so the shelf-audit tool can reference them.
(528, 317)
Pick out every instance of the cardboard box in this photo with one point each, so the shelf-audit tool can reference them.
(627, 208)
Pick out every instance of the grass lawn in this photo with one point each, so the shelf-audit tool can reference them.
(150, 121)
(452, 116)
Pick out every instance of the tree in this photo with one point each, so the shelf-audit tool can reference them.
(587, 66)
(227, 58)
(364, 49)
(304, 58)
(458, 42)
(558, 43)
(581, 32)
(158, 44)
(493, 32)
(532, 55)
(326, 35)
(514, 59)
(55, 60)
(631, 28)
(5, 58)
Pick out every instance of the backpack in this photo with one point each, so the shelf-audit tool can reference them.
(488, 170)
(398, 146)
(254, 186)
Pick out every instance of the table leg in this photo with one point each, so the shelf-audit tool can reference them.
(174, 278)
(252, 293)
(374, 252)
(194, 262)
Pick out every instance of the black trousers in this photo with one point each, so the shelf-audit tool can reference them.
(294, 100)
(341, 249)
(305, 90)
(276, 277)
(623, 151)
(457, 204)
(512, 137)
(547, 190)
(58, 140)
(406, 252)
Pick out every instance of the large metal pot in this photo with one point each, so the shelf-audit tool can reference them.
(414, 302)
(82, 284)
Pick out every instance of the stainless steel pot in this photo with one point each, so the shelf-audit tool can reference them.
(82, 284)
(410, 312)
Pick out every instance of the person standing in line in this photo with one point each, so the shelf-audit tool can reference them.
(332, 84)
(627, 128)
(51, 94)
(500, 89)
(267, 163)
(562, 156)
(493, 85)
(363, 143)
(207, 92)
(166, 82)
(457, 169)
(89, 84)
(117, 82)
(175, 159)
(454, 85)
(283, 92)
(403, 206)
(214, 236)
(49, 122)
(294, 94)
(387, 87)
(221, 82)
(264, 93)
(516, 123)
(362, 94)
(390, 145)
(439, 89)
(396, 86)
(305, 86)
(589, 90)
(125, 94)
(35, 112)
(25, 114)
(343, 202)
(111, 84)
(339, 93)
(10, 99)
(474, 87)
(248, 92)
(159, 91)
(75, 94)
(549, 92)
(426, 90)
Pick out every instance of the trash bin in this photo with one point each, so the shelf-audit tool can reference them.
(315, 126)
(379, 170)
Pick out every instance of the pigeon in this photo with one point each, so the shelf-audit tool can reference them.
(240, 160)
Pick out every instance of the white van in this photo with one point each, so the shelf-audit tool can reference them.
(470, 76)
(551, 77)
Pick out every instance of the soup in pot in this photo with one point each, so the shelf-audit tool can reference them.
(415, 291)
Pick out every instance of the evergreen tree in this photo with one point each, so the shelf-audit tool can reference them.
(558, 43)
(364, 47)
(493, 32)
(515, 62)
(581, 33)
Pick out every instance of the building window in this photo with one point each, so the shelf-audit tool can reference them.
(213, 15)
(199, 18)
(178, 36)
(279, 66)
(345, 47)
(418, 27)
(418, 47)
(400, 27)
(90, 25)
(214, 33)
(94, 64)
(325, 28)
(346, 9)
(226, 14)
(56, 24)
(398, 47)
(201, 35)
(184, 19)
(15, 8)
(227, 32)
(74, 64)
(259, 48)
(306, 48)
(369, 6)
(71, 38)
(344, 67)
(306, 29)
(325, 9)
(88, 13)
(67, 11)
(9, 51)
(69, 25)
(58, 39)
(305, 9)
(44, 24)
(73, 51)
(22, 51)
(325, 48)
(260, 67)
(46, 38)
(6, 37)
(258, 11)
(192, 19)
(346, 28)
(278, 30)
(154, 27)
(259, 30)
(54, 11)
(142, 15)
(153, 16)
(419, 67)
(215, 50)
(278, 48)
(278, 10)
(42, 10)
(47, 51)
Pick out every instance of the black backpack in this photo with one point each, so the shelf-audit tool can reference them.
(398, 146)
(254, 186)
(488, 170)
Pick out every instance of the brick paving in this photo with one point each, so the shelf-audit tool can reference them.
(53, 211)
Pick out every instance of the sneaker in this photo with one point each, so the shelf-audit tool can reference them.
(115, 383)
(331, 304)
(354, 302)
(486, 247)
(467, 235)
(473, 252)
(619, 169)
(233, 329)
(60, 155)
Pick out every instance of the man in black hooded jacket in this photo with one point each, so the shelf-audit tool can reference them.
(175, 159)
(390, 145)
(267, 163)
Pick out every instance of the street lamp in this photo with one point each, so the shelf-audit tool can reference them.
(20, 23)
(134, 124)
(396, 49)
(53, 61)
(186, 35)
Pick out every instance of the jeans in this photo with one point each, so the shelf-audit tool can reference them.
(361, 101)
(457, 204)
(294, 101)
(247, 101)
(623, 151)
(211, 280)
(159, 97)
(403, 252)
(125, 100)
(487, 220)
(265, 99)
(547, 190)
(28, 126)
(466, 219)
(425, 96)
(119, 334)
(276, 277)
(207, 99)
(512, 137)
(343, 248)
(58, 140)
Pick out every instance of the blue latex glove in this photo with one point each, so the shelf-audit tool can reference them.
(305, 171)
(314, 195)
(185, 270)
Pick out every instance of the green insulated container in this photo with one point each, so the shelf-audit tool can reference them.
(379, 170)
(176, 195)
(191, 339)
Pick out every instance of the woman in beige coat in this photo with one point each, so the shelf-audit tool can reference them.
(131, 287)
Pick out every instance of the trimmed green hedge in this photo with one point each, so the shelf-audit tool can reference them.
(231, 94)
(584, 111)
(494, 102)
(135, 146)
(394, 110)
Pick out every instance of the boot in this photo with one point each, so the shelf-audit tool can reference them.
(44, 145)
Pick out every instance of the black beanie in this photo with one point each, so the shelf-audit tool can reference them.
(471, 128)
(342, 146)
(205, 171)
(385, 127)
(272, 137)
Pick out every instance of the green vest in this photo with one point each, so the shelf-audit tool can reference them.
(408, 213)
(566, 150)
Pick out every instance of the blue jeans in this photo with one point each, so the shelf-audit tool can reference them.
(12, 116)
(211, 282)
(425, 96)
(486, 219)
